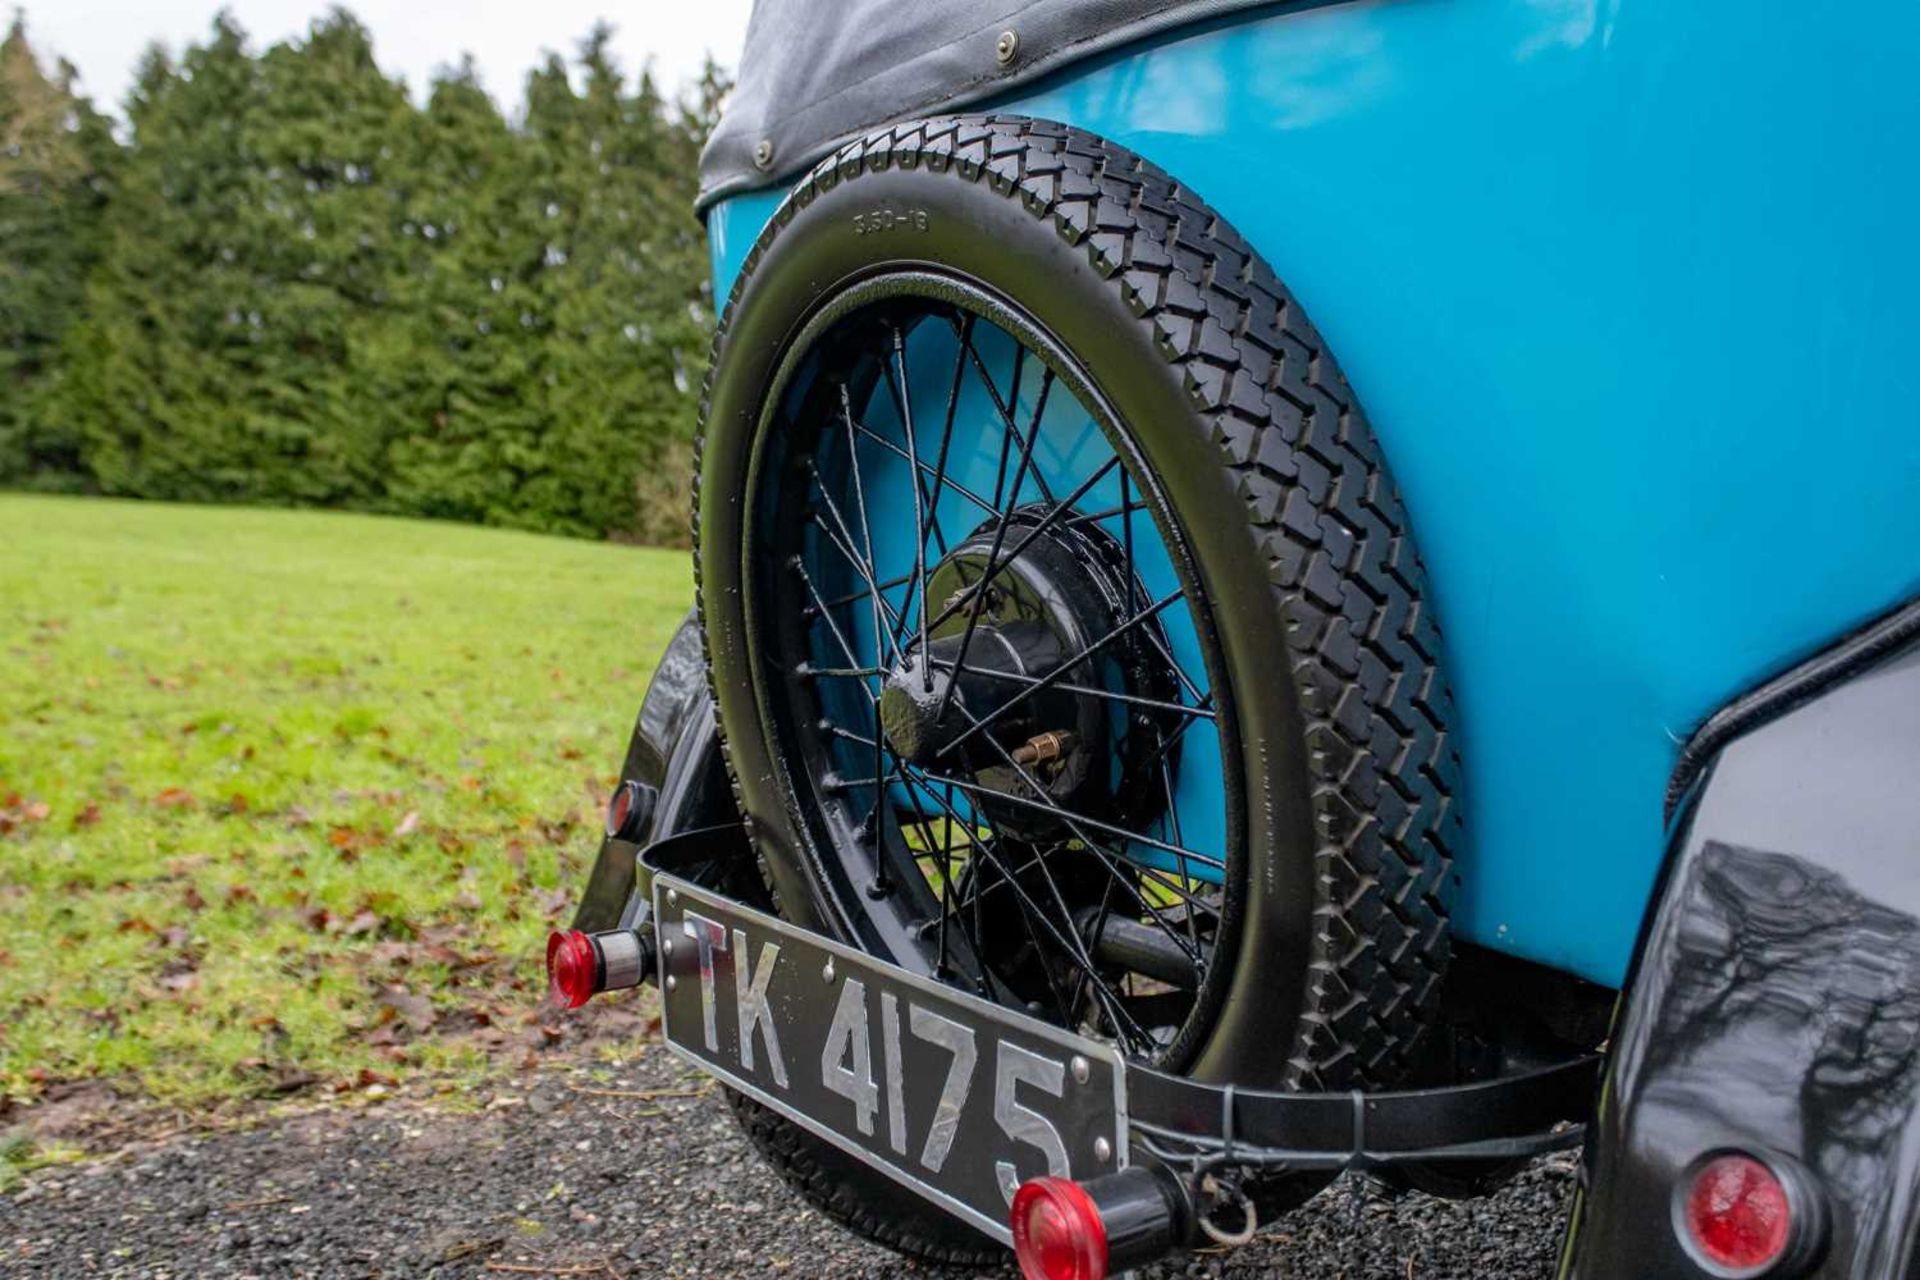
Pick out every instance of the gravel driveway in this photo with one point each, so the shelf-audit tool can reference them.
(625, 1171)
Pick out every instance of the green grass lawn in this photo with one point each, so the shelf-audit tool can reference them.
(288, 797)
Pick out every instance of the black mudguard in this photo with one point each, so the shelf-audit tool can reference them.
(675, 753)
(1775, 1004)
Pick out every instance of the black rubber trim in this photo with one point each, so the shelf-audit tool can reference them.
(1788, 690)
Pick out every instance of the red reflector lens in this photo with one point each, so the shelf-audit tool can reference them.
(1057, 1232)
(1737, 1215)
(571, 967)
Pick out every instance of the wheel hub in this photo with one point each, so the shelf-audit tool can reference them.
(956, 705)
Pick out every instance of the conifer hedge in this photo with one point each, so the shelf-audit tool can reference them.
(287, 281)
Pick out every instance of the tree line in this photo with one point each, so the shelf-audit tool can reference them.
(281, 280)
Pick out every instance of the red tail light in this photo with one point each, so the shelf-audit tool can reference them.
(1741, 1216)
(630, 810)
(582, 965)
(1057, 1232)
(572, 967)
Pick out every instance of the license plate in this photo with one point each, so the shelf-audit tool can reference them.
(953, 1096)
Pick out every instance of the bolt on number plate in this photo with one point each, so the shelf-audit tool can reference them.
(954, 1096)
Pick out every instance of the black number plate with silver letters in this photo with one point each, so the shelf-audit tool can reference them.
(953, 1096)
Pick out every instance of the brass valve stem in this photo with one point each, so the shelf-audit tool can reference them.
(1042, 747)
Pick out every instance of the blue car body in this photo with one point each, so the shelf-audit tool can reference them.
(1628, 294)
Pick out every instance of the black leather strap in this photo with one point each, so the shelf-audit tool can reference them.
(1489, 1119)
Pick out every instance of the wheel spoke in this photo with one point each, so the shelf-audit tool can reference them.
(1073, 820)
(1006, 409)
(1089, 691)
(1060, 673)
(1036, 914)
(860, 498)
(1077, 824)
(997, 562)
(842, 542)
(855, 597)
(977, 591)
(1179, 673)
(1007, 435)
(946, 882)
(984, 982)
(1105, 513)
(875, 599)
(865, 432)
(853, 663)
(1169, 741)
(946, 433)
(1171, 822)
(903, 401)
(848, 735)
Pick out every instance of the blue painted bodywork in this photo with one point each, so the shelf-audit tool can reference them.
(1627, 288)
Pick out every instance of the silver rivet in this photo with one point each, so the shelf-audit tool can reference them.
(666, 946)
(1006, 46)
(1102, 1150)
(763, 153)
(1082, 1069)
(826, 974)
(672, 982)
(673, 897)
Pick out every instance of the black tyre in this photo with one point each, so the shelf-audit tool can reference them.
(1194, 789)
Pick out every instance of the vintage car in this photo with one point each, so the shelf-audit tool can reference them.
(1141, 750)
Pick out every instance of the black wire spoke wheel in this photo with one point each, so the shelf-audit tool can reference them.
(988, 668)
(1067, 638)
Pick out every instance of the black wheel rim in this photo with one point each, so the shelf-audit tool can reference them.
(987, 665)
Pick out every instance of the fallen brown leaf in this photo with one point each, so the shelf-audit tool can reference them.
(416, 1009)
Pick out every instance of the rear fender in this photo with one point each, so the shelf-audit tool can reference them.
(675, 753)
(1775, 1006)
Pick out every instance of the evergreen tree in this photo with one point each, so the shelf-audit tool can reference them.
(328, 228)
(57, 159)
(622, 288)
(301, 288)
(467, 359)
(155, 375)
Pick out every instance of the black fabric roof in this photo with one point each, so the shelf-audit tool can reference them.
(816, 72)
